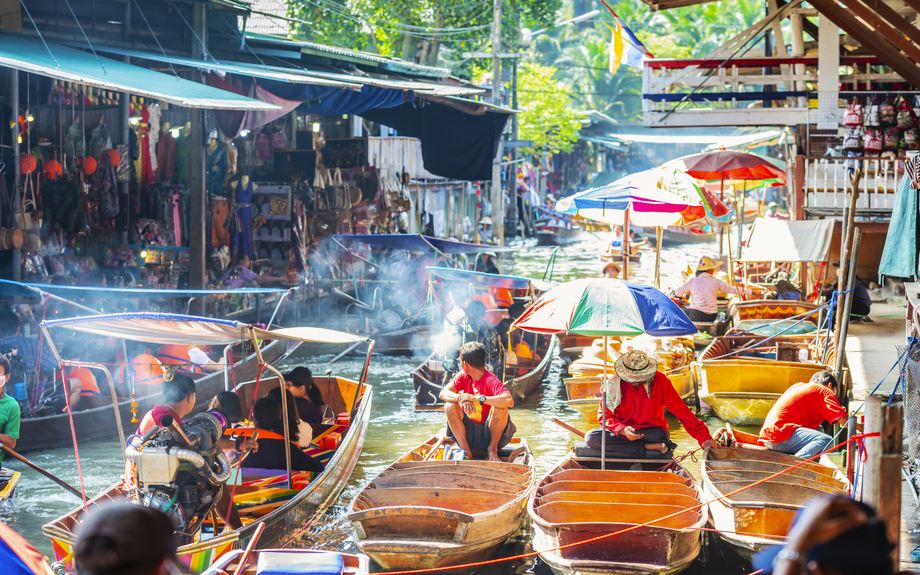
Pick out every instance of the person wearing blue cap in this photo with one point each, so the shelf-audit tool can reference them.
(831, 535)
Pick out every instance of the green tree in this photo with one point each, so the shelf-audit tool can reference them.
(546, 115)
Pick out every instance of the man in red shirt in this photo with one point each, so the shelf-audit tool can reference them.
(793, 422)
(636, 426)
(477, 405)
(179, 393)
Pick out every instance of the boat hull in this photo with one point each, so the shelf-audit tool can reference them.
(558, 236)
(524, 385)
(54, 430)
(577, 502)
(675, 236)
(411, 341)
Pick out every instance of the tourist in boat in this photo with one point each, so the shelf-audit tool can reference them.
(125, 539)
(179, 393)
(704, 290)
(82, 384)
(832, 535)
(636, 425)
(476, 405)
(611, 270)
(486, 264)
(307, 397)
(191, 358)
(485, 231)
(228, 403)
(269, 424)
(9, 410)
(239, 275)
(792, 424)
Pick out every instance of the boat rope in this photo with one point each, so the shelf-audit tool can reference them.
(38, 362)
(73, 434)
(857, 438)
(831, 305)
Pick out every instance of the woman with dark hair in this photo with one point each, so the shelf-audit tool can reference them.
(267, 416)
(229, 404)
(310, 404)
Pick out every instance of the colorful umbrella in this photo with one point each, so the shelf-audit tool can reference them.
(728, 165)
(605, 307)
(17, 555)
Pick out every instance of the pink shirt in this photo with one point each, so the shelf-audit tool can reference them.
(704, 290)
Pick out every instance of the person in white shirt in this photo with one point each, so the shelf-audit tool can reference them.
(704, 290)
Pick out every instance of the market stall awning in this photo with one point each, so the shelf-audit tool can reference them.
(15, 289)
(165, 328)
(417, 243)
(788, 241)
(70, 65)
(480, 279)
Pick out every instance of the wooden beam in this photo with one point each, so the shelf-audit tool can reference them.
(896, 20)
(913, 4)
(870, 39)
(873, 19)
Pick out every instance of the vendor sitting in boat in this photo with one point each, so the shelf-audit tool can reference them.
(611, 270)
(792, 424)
(239, 275)
(476, 405)
(704, 290)
(636, 426)
(190, 358)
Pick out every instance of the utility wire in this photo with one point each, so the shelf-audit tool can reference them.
(80, 26)
(204, 46)
(155, 39)
(237, 32)
(56, 63)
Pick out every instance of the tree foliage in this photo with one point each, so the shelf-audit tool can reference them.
(546, 114)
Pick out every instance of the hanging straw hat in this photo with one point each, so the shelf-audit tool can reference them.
(635, 366)
(706, 264)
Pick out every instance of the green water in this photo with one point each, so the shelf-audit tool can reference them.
(394, 426)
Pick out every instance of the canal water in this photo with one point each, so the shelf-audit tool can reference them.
(396, 427)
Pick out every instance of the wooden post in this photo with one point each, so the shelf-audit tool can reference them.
(889, 476)
(625, 249)
(846, 233)
(13, 88)
(870, 475)
(198, 198)
(846, 306)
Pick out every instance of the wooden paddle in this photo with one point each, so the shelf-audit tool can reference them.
(436, 446)
(48, 474)
(252, 545)
(565, 425)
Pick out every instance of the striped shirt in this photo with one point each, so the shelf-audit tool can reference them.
(704, 290)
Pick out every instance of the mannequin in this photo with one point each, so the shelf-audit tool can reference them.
(166, 154)
(242, 242)
(217, 166)
(183, 154)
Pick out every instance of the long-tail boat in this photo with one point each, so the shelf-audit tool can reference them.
(768, 317)
(286, 502)
(424, 513)
(577, 501)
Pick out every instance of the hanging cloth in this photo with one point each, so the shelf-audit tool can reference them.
(899, 258)
(242, 241)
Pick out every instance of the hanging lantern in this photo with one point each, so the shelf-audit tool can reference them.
(113, 157)
(52, 169)
(27, 164)
(88, 164)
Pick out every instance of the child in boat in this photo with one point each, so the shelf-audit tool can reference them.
(477, 405)
(268, 420)
(636, 426)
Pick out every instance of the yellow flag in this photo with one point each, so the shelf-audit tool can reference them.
(616, 47)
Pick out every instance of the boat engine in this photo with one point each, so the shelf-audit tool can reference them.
(180, 470)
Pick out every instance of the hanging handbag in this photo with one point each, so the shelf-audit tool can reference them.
(853, 139)
(906, 118)
(891, 139)
(852, 116)
(887, 114)
(872, 142)
(910, 139)
(870, 116)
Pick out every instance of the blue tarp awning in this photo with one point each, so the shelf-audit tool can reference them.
(27, 290)
(479, 279)
(419, 243)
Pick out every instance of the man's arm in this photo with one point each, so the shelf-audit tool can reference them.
(503, 399)
(694, 426)
(613, 424)
(449, 392)
(11, 430)
(831, 409)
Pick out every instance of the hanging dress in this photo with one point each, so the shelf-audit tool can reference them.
(242, 242)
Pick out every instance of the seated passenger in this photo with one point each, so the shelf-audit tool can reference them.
(191, 357)
(266, 415)
(636, 426)
(308, 397)
(82, 384)
(477, 405)
(179, 393)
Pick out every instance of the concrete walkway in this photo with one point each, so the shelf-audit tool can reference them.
(871, 352)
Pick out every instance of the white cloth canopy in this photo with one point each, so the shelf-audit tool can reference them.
(775, 240)
(191, 330)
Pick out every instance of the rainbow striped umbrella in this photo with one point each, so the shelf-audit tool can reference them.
(18, 557)
(605, 307)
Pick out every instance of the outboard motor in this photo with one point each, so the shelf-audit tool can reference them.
(180, 470)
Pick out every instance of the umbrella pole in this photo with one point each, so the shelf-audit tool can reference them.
(657, 257)
(625, 249)
(741, 220)
(722, 197)
(731, 263)
(604, 404)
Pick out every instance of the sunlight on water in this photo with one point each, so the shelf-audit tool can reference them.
(395, 426)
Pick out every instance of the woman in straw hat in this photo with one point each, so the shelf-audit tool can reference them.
(704, 290)
(636, 426)
(611, 270)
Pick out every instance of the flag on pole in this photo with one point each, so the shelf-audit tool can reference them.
(625, 48)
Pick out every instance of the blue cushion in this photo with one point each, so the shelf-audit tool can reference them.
(295, 563)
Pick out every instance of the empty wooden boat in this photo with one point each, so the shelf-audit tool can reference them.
(761, 515)
(423, 513)
(742, 387)
(576, 501)
(583, 393)
(768, 317)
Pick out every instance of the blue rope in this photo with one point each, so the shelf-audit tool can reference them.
(832, 303)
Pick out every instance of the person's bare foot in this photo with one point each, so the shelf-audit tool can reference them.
(659, 447)
(493, 456)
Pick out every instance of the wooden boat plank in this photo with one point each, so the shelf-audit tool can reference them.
(667, 498)
(474, 464)
(446, 480)
(613, 475)
(462, 500)
(750, 457)
(805, 478)
(615, 487)
(571, 513)
(776, 493)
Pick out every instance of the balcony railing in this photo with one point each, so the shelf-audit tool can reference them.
(823, 183)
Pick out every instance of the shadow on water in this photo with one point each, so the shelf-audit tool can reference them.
(395, 428)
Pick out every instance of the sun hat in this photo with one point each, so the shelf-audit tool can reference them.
(706, 263)
(610, 264)
(122, 537)
(486, 221)
(635, 366)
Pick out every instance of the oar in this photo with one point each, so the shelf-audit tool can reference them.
(436, 446)
(249, 548)
(48, 474)
(565, 425)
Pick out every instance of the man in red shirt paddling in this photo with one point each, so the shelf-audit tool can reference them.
(636, 426)
(477, 405)
(793, 422)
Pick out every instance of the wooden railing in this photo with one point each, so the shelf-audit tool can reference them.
(823, 183)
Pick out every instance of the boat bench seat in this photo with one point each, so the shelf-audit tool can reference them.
(582, 450)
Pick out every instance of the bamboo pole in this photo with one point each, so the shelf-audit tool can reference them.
(722, 197)
(658, 257)
(889, 476)
(869, 490)
(625, 249)
(604, 404)
(846, 234)
(846, 307)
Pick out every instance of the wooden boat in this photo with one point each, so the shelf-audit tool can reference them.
(761, 516)
(765, 317)
(571, 345)
(421, 513)
(53, 430)
(352, 563)
(285, 512)
(411, 341)
(577, 501)
(742, 388)
(557, 235)
(428, 378)
(675, 235)
(618, 257)
(583, 393)
(9, 479)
